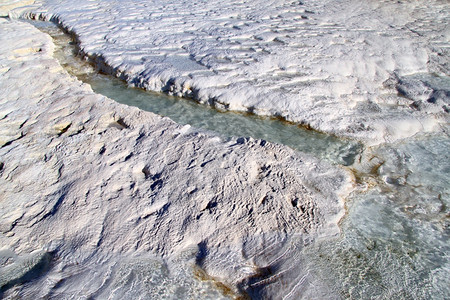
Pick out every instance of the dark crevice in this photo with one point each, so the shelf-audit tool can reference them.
(8, 143)
(64, 130)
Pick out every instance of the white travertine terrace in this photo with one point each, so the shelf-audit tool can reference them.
(89, 180)
(104, 200)
(335, 67)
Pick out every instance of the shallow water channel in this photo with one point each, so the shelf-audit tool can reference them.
(395, 237)
(186, 111)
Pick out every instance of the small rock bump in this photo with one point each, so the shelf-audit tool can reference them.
(119, 124)
(62, 128)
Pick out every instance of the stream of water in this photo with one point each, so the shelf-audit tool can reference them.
(395, 240)
(186, 111)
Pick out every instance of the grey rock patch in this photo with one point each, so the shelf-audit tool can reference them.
(428, 93)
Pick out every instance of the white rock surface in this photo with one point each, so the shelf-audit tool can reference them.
(108, 191)
(7, 5)
(336, 66)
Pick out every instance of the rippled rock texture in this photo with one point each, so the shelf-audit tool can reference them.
(97, 197)
(103, 200)
(337, 67)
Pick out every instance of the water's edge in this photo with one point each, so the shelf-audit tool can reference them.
(395, 235)
(188, 111)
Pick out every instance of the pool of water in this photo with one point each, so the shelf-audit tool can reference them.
(395, 237)
(395, 242)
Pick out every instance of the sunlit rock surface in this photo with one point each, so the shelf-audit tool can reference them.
(339, 67)
(103, 200)
(7, 5)
(99, 199)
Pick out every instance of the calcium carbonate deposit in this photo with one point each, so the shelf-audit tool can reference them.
(105, 200)
(337, 67)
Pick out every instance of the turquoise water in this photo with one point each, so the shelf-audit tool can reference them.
(395, 237)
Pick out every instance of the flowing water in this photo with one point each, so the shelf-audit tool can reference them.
(395, 237)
